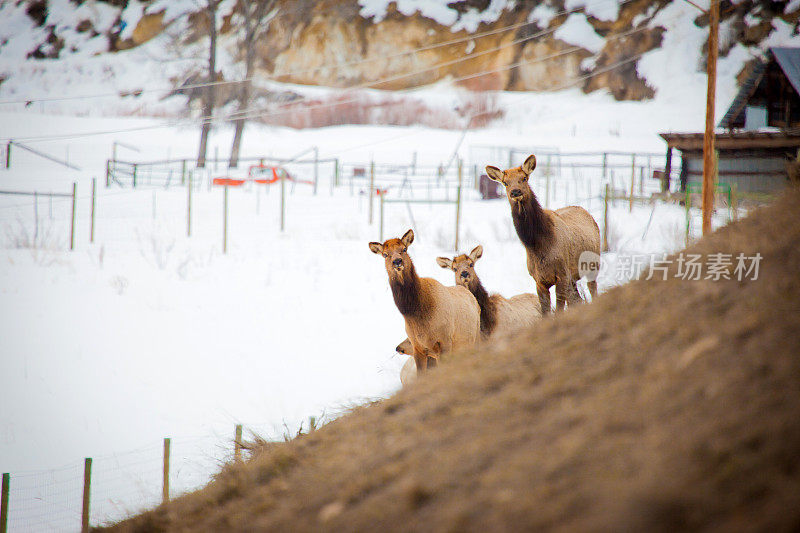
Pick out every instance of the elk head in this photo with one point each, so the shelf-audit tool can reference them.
(395, 254)
(515, 180)
(463, 266)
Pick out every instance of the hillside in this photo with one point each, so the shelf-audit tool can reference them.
(664, 405)
(133, 53)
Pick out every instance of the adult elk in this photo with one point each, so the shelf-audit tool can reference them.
(500, 316)
(438, 319)
(553, 240)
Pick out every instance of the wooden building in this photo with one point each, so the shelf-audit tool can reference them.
(763, 130)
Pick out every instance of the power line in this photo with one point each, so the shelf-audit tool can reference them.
(253, 113)
(334, 67)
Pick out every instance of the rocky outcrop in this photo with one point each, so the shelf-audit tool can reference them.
(403, 48)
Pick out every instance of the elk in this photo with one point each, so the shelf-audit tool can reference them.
(553, 240)
(438, 319)
(408, 374)
(499, 316)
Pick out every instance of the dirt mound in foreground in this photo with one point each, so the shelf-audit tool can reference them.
(663, 405)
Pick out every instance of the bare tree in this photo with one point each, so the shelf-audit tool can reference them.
(210, 10)
(256, 14)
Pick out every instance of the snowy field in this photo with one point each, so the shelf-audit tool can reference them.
(147, 333)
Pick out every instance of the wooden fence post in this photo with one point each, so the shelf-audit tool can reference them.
(72, 223)
(165, 483)
(134, 175)
(8, 154)
(605, 219)
(4, 503)
(183, 171)
(735, 201)
(371, 187)
(458, 203)
(237, 444)
(633, 181)
(225, 219)
(94, 203)
(336, 172)
(605, 166)
(108, 173)
(87, 488)
(688, 203)
(189, 206)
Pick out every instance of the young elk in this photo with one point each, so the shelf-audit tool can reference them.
(553, 240)
(499, 316)
(409, 371)
(438, 319)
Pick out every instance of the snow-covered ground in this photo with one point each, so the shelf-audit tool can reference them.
(147, 333)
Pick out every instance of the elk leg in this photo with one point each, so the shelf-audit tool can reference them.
(421, 360)
(575, 297)
(433, 355)
(592, 288)
(544, 298)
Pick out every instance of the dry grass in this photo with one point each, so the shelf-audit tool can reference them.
(662, 406)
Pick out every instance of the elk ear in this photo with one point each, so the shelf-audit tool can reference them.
(476, 253)
(408, 237)
(529, 164)
(494, 173)
(405, 347)
(444, 262)
(376, 247)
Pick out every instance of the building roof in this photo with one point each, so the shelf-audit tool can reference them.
(735, 140)
(788, 60)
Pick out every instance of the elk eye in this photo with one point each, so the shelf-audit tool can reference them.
(385, 254)
(404, 250)
(471, 265)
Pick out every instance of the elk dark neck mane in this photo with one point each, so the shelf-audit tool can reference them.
(488, 318)
(534, 228)
(407, 292)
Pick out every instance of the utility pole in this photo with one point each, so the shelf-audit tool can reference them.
(709, 155)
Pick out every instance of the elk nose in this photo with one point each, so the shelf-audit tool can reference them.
(464, 274)
(397, 262)
(516, 193)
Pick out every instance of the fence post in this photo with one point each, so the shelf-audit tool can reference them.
(4, 503)
(183, 171)
(189, 206)
(336, 172)
(735, 201)
(237, 444)
(371, 187)
(641, 181)
(134, 175)
(8, 154)
(605, 166)
(87, 487)
(108, 173)
(688, 203)
(381, 223)
(165, 483)
(94, 203)
(458, 202)
(605, 219)
(72, 223)
(633, 181)
(225, 219)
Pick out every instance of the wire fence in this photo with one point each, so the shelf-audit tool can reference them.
(109, 488)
